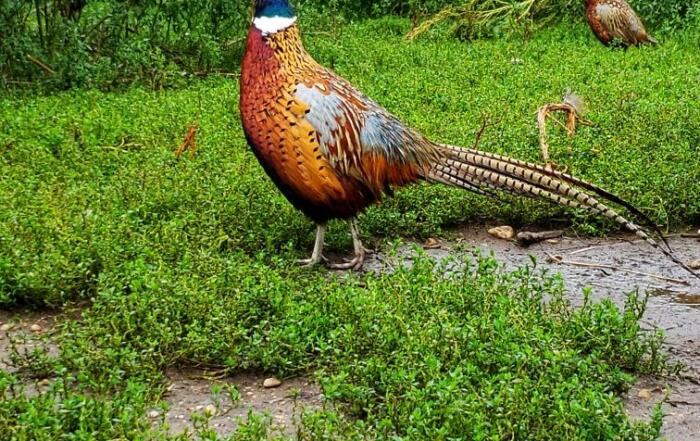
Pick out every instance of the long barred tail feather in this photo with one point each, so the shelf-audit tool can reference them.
(573, 180)
(442, 175)
(485, 173)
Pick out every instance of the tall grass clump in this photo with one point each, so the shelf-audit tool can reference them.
(478, 18)
(61, 44)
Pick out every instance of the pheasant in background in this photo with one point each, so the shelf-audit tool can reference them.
(332, 151)
(613, 20)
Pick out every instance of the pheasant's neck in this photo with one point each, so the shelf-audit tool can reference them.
(591, 3)
(281, 53)
(259, 61)
(273, 65)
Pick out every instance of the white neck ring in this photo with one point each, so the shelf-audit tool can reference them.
(272, 25)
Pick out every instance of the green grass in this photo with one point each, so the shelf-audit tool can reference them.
(430, 352)
(188, 261)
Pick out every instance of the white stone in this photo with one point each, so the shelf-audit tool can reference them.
(504, 233)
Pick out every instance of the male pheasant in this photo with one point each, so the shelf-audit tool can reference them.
(332, 151)
(613, 20)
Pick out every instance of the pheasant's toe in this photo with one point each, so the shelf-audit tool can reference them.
(355, 264)
(312, 261)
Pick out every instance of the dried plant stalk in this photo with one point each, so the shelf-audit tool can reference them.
(482, 16)
(190, 142)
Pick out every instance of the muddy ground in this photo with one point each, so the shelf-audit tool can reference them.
(673, 307)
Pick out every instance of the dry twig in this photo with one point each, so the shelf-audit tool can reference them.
(573, 107)
(486, 122)
(41, 65)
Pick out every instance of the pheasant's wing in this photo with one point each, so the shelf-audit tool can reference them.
(621, 21)
(361, 139)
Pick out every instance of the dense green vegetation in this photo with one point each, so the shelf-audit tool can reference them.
(63, 44)
(424, 353)
(189, 261)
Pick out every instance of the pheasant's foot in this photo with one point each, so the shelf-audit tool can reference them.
(317, 255)
(355, 264)
(311, 261)
(360, 251)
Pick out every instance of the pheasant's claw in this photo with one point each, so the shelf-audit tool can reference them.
(312, 261)
(355, 264)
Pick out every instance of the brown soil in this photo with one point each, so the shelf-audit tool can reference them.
(22, 336)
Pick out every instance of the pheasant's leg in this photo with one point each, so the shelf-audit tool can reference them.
(359, 259)
(317, 255)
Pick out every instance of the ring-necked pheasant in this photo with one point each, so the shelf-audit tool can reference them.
(613, 20)
(332, 151)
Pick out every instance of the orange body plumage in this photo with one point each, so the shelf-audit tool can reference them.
(333, 179)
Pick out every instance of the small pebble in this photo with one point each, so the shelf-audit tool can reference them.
(153, 414)
(695, 264)
(644, 394)
(271, 383)
(200, 407)
(6, 327)
(36, 328)
(504, 233)
(210, 410)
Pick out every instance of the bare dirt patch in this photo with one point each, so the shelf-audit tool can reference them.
(672, 307)
(25, 330)
(191, 394)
